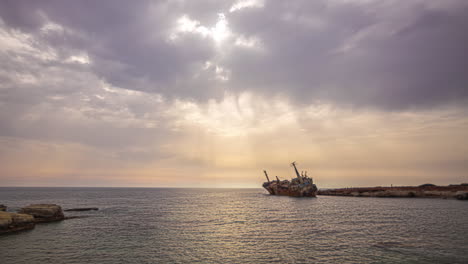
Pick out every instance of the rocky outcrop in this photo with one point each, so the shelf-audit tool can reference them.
(44, 212)
(424, 191)
(35, 213)
(81, 209)
(11, 222)
(3, 208)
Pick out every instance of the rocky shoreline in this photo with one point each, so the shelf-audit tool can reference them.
(27, 217)
(459, 192)
(44, 212)
(13, 222)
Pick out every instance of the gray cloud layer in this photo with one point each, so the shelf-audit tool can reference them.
(110, 91)
(384, 54)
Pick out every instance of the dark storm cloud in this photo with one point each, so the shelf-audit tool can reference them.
(127, 42)
(384, 54)
(387, 54)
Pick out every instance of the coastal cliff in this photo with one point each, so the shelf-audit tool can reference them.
(426, 191)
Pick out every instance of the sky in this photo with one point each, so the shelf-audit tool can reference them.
(208, 93)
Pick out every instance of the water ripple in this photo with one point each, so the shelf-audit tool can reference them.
(236, 226)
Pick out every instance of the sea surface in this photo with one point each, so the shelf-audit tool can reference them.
(139, 225)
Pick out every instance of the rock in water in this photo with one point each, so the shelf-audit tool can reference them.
(44, 212)
(11, 222)
(81, 209)
(3, 207)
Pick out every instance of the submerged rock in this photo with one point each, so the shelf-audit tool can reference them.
(3, 207)
(44, 212)
(81, 209)
(76, 217)
(11, 222)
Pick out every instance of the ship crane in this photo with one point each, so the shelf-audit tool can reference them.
(297, 172)
(266, 175)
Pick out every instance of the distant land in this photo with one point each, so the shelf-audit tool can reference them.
(456, 191)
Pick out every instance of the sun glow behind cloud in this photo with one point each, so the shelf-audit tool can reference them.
(218, 32)
(250, 133)
(239, 5)
(227, 143)
(209, 94)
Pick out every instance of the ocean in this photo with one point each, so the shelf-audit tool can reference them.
(164, 225)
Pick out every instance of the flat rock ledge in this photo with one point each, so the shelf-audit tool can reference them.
(44, 212)
(12, 222)
(81, 209)
(28, 216)
(459, 192)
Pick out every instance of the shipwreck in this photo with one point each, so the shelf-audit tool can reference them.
(301, 186)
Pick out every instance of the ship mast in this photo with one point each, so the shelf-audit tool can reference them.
(301, 180)
(266, 175)
(297, 172)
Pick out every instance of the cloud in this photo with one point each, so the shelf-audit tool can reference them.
(239, 5)
(154, 89)
(388, 55)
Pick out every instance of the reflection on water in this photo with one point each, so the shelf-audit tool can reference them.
(236, 226)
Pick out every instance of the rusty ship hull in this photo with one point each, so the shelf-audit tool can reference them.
(301, 186)
(291, 190)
